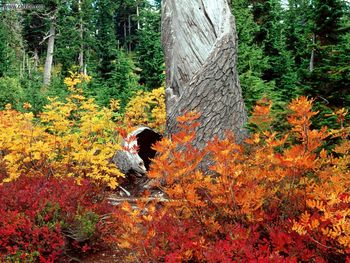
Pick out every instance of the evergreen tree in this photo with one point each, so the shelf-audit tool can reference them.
(298, 31)
(330, 75)
(149, 52)
(269, 15)
(4, 51)
(47, 21)
(34, 30)
(11, 43)
(127, 22)
(106, 37)
(76, 36)
(157, 3)
(116, 77)
(251, 61)
(327, 17)
(122, 84)
(68, 42)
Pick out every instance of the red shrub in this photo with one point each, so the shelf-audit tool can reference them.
(41, 218)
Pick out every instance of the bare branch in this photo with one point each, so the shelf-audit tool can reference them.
(45, 37)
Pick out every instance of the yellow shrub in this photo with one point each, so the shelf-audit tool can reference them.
(75, 138)
(147, 108)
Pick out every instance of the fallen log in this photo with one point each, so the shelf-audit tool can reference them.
(135, 158)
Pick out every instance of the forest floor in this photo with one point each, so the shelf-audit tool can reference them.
(114, 255)
(104, 257)
(111, 255)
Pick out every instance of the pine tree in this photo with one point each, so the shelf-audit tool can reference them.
(106, 37)
(126, 23)
(157, 3)
(298, 31)
(4, 51)
(252, 62)
(11, 43)
(46, 29)
(330, 74)
(76, 40)
(269, 15)
(149, 52)
(116, 77)
(34, 30)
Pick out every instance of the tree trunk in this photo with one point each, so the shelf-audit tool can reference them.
(28, 67)
(129, 28)
(199, 42)
(138, 16)
(81, 37)
(36, 59)
(49, 55)
(125, 46)
(312, 57)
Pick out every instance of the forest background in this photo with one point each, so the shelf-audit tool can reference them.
(286, 49)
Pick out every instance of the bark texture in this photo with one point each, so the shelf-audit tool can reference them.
(312, 57)
(81, 38)
(199, 42)
(50, 50)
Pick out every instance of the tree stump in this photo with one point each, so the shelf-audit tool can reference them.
(199, 42)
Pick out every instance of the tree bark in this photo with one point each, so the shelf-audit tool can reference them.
(138, 16)
(199, 42)
(50, 50)
(81, 37)
(312, 57)
(36, 59)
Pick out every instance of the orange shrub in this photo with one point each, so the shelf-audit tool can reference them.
(278, 198)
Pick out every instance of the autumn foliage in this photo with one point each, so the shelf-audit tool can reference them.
(276, 198)
(69, 139)
(147, 108)
(73, 138)
(42, 220)
(54, 169)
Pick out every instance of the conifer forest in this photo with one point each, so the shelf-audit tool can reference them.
(174, 131)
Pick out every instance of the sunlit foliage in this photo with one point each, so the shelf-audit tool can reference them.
(71, 138)
(147, 108)
(277, 198)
